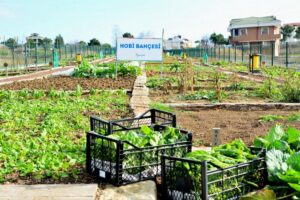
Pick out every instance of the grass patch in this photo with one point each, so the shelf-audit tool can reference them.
(161, 106)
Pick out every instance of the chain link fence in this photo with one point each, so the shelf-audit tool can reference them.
(285, 54)
(22, 56)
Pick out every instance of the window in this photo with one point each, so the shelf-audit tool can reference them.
(243, 31)
(235, 32)
(264, 30)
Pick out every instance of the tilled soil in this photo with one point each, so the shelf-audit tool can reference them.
(70, 83)
(233, 124)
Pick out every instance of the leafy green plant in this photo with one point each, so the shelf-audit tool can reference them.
(44, 138)
(283, 156)
(176, 67)
(146, 136)
(290, 90)
(294, 117)
(270, 118)
(160, 82)
(78, 91)
(85, 70)
(221, 157)
(161, 106)
(38, 94)
(204, 94)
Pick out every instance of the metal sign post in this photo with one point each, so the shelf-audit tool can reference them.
(162, 49)
(116, 59)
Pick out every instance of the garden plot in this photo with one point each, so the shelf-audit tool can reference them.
(70, 83)
(87, 76)
(234, 124)
(184, 82)
(206, 85)
(42, 134)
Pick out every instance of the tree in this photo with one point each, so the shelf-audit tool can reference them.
(218, 39)
(286, 32)
(297, 36)
(214, 38)
(10, 43)
(94, 42)
(59, 41)
(46, 42)
(30, 43)
(82, 43)
(127, 35)
(106, 46)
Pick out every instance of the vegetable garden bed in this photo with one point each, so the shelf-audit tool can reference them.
(128, 150)
(70, 83)
(42, 134)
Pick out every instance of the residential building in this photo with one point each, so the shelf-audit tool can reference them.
(255, 31)
(296, 26)
(177, 42)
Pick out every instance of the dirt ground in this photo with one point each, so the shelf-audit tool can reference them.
(233, 124)
(70, 83)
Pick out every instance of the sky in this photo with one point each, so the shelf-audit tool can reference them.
(79, 20)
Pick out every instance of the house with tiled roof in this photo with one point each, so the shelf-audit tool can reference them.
(255, 30)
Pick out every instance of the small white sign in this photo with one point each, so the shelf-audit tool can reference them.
(102, 173)
(137, 49)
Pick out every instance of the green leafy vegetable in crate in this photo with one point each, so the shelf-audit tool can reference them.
(283, 160)
(135, 139)
(146, 136)
(188, 174)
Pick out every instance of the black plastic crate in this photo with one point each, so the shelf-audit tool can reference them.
(150, 118)
(107, 159)
(198, 182)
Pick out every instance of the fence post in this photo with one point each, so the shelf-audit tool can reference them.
(242, 53)
(287, 54)
(215, 53)
(66, 52)
(204, 181)
(229, 54)
(59, 48)
(36, 56)
(26, 61)
(45, 54)
(219, 53)
(260, 51)
(272, 53)
(13, 56)
(53, 56)
(224, 54)
(235, 53)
